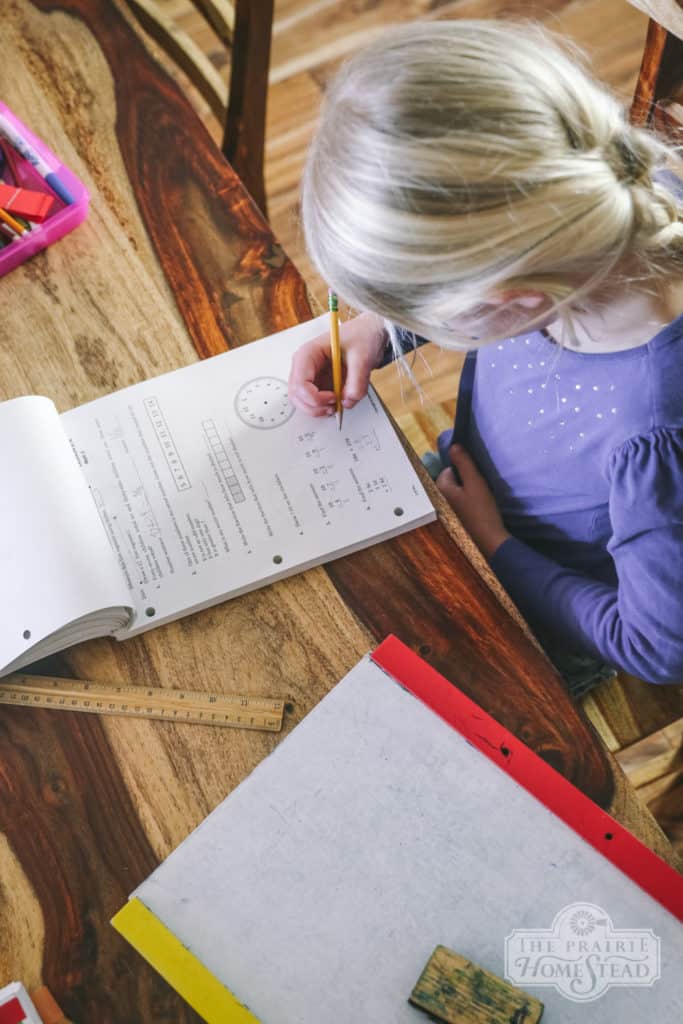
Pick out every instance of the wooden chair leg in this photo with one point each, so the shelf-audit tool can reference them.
(661, 72)
(244, 140)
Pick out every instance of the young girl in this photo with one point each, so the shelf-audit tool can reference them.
(471, 184)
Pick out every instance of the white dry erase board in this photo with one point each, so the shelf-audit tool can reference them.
(374, 832)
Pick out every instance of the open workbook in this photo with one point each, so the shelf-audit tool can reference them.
(182, 491)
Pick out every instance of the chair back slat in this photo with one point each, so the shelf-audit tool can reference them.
(185, 52)
(246, 29)
(220, 15)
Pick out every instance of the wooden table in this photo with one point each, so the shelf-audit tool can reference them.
(173, 263)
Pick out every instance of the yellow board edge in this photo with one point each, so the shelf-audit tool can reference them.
(178, 966)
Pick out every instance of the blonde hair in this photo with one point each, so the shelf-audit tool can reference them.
(462, 157)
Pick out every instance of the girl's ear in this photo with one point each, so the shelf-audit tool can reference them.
(527, 300)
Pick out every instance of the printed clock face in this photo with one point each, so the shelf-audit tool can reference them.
(263, 403)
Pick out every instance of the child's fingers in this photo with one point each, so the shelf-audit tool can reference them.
(449, 487)
(309, 362)
(324, 410)
(309, 398)
(461, 474)
(314, 409)
(463, 463)
(310, 377)
(307, 371)
(358, 368)
(305, 397)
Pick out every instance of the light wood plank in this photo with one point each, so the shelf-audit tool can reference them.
(653, 756)
(454, 990)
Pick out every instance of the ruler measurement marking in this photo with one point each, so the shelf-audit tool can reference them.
(99, 698)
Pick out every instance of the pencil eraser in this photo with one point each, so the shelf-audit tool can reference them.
(23, 202)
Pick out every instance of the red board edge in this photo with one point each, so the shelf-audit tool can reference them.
(592, 823)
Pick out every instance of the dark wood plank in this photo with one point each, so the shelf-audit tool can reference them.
(65, 807)
(423, 588)
(230, 278)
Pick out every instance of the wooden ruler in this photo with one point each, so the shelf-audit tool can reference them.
(229, 710)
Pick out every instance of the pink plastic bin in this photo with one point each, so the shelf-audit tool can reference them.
(61, 219)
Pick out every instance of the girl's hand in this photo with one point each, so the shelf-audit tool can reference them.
(473, 502)
(310, 376)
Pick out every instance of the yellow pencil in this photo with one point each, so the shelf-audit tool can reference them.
(14, 224)
(336, 354)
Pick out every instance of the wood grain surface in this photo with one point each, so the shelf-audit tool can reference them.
(453, 990)
(173, 262)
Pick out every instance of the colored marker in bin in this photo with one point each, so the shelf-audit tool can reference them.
(12, 223)
(26, 150)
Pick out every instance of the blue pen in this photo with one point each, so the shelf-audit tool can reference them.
(25, 149)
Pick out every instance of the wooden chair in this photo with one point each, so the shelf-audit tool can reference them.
(658, 98)
(245, 30)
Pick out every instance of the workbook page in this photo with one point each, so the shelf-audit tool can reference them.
(57, 563)
(209, 483)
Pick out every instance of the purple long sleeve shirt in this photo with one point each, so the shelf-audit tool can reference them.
(584, 454)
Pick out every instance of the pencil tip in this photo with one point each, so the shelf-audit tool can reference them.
(340, 416)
